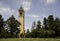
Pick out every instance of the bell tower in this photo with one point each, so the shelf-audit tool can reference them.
(21, 21)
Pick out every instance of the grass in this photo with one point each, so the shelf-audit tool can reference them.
(30, 39)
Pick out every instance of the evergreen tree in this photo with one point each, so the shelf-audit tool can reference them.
(28, 31)
(27, 34)
(2, 30)
(45, 23)
(33, 25)
(57, 26)
(35, 32)
(13, 25)
(38, 25)
(50, 22)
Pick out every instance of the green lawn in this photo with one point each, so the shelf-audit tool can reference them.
(31, 39)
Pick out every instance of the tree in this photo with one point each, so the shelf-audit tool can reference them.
(38, 25)
(13, 25)
(28, 31)
(50, 22)
(27, 34)
(33, 25)
(35, 32)
(2, 30)
(45, 23)
(57, 26)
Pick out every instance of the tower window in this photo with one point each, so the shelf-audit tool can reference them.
(20, 13)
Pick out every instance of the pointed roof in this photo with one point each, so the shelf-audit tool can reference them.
(21, 9)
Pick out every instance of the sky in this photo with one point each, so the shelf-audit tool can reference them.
(34, 9)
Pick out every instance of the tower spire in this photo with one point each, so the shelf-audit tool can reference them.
(21, 7)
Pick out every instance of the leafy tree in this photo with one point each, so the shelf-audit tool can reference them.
(50, 28)
(13, 25)
(57, 26)
(35, 32)
(27, 34)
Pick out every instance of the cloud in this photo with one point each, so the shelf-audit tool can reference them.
(44, 15)
(48, 1)
(6, 11)
(33, 16)
(26, 5)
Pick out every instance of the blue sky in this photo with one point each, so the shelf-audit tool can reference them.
(34, 9)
